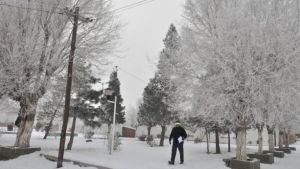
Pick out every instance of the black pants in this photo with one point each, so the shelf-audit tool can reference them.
(174, 149)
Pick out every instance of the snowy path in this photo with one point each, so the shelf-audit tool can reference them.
(134, 154)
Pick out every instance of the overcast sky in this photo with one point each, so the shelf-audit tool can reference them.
(145, 28)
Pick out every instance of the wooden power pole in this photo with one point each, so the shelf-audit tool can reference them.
(68, 91)
(76, 17)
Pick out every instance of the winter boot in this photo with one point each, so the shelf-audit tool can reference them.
(171, 162)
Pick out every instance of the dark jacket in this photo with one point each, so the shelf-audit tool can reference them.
(176, 132)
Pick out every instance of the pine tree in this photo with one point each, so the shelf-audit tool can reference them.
(170, 52)
(154, 110)
(108, 108)
(163, 77)
(145, 115)
(80, 104)
(85, 108)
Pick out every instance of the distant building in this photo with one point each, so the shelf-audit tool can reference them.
(7, 127)
(128, 132)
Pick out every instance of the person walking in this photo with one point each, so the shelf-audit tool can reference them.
(178, 134)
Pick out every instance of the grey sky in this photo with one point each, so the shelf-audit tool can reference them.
(145, 28)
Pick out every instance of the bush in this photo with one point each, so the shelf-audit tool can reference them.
(159, 136)
(89, 134)
(117, 142)
(150, 138)
(142, 137)
(151, 142)
(292, 138)
(198, 140)
(38, 126)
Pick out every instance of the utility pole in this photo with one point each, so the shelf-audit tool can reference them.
(68, 92)
(69, 85)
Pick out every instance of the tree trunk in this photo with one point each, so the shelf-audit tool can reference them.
(218, 150)
(69, 147)
(283, 137)
(260, 128)
(241, 144)
(280, 139)
(229, 149)
(207, 140)
(275, 140)
(260, 140)
(28, 106)
(162, 135)
(48, 128)
(271, 138)
(148, 131)
(287, 144)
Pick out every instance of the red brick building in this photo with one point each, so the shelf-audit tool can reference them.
(128, 132)
(7, 126)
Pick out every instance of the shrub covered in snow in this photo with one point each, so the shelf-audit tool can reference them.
(89, 134)
(117, 142)
(198, 140)
(142, 137)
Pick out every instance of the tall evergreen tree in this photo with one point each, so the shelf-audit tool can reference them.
(163, 77)
(145, 113)
(154, 110)
(85, 105)
(170, 52)
(81, 103)
(147, 109)
(108, 108)
(157, 97)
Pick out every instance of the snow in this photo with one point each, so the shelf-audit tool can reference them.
(133, 154)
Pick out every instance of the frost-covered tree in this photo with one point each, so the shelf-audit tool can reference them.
(173, 66)
(169, 53)
(235, 52)
(160, 91)
(162, 83)
(154, 109)
(52, 106)
(145, 115)
(35, 46)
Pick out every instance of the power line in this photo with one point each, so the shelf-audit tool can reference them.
(133, 75)
(121, 9)
(133, 5)
(33, 9)
(68, 13)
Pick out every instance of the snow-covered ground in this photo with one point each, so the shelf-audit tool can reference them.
(134, 154)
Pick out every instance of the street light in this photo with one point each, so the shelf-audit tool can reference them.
(109, 92)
